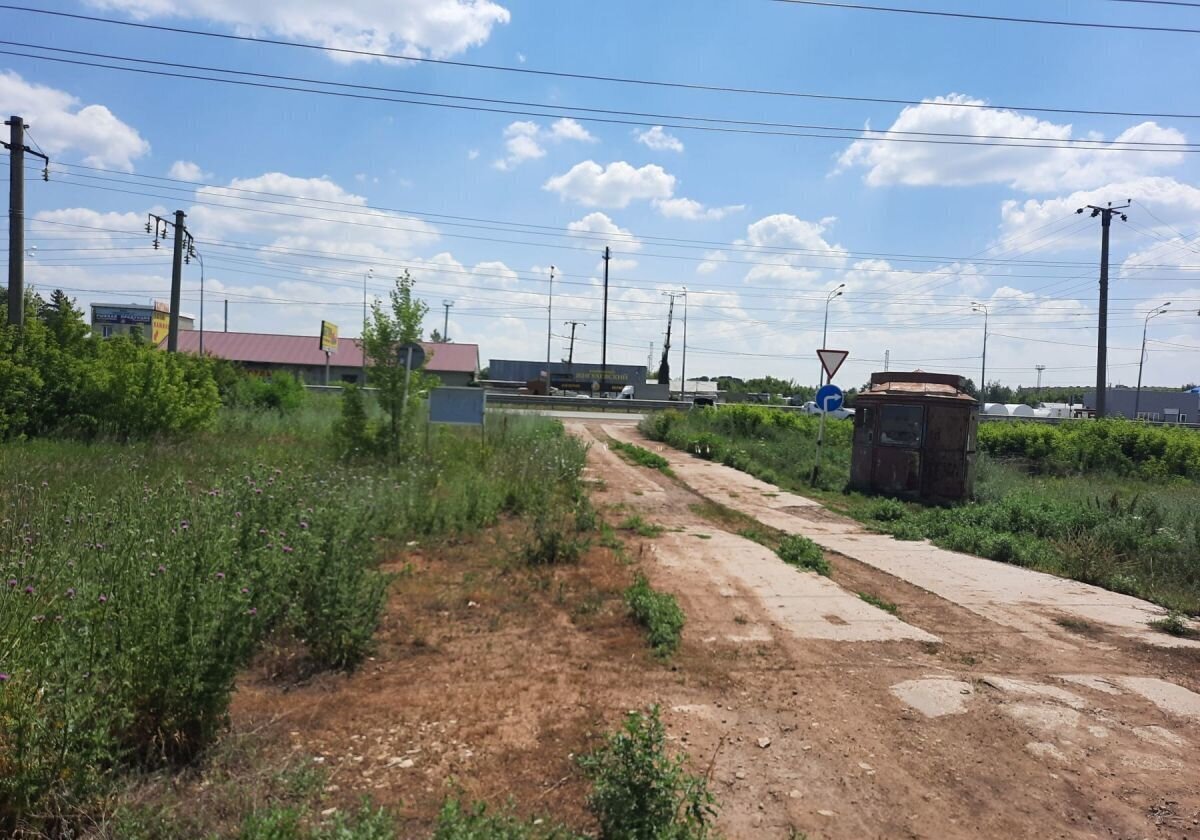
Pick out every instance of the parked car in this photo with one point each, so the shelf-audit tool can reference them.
(810, 407)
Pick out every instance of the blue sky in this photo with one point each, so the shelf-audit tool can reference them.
(758, 228)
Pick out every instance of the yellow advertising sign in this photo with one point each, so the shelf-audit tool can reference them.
(329, 337)
(160, 325)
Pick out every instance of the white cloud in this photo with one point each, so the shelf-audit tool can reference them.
(592, 185)
(686, 208)
(659, 140)
(185, 170)
(1022, 222)
(472, 154)
(785, 231)
(435, 28)
(58, 124)
(524, 140)
(1027, 169)
(712, 261)
(599, 223)
(520, 58)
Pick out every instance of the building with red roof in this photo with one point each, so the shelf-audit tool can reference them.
(302, 356)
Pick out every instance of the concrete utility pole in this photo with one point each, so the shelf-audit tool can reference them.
(1106, 215)
(604, 328)
(571, 351)
(887, 357)
(982, 307)
(1161, 309)
(683, 372)
(16, 216)
(549, 313)
(369, 274)
(183, 247)
(226, 314)
(446, 321)
(836, 293)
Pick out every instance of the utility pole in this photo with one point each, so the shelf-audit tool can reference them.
(16, 216)
(664, 367)
(226, 314)
(184, 245)
(1106, 215)
(887, 357)
(604, 328)
(1039, 368)
(446, 321)
(571, 351)
(549, 313)
(650, 358)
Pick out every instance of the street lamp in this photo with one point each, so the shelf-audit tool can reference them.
(835, 293)
(683, 384)
(370, 275)
(976, 306)
(1161, 309)
(549, 312)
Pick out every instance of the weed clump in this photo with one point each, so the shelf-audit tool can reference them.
(640, 526)
(474, 822)
(886, 510)
(639, 792)
(659, 613)
(644, 457)
(803, 553)
(1173, 624)
(876, 601)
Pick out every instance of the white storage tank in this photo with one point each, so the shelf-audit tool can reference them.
(995, 409)
(1019, 410)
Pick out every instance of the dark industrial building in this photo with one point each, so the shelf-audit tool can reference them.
(576, 376)
(1156, 406)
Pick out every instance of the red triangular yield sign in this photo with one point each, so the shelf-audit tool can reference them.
(831, 360)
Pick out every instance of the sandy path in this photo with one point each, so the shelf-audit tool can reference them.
(972, 715)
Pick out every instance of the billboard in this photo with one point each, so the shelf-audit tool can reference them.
(329, 337)
(160, 325)
(120, 315)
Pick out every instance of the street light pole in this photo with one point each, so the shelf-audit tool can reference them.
(370, 274)
(825, 331)
(200, 258)
(1161, 309)
(549, 313)
(683, 384)
(981, 307)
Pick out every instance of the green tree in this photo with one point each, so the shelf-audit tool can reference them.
(388, 331)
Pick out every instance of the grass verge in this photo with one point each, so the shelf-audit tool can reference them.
(641, 456)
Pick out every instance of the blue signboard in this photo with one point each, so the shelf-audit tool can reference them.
(457, 406)
(120, 315)
(829, 398)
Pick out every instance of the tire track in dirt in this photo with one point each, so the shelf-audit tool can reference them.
(1012, 726)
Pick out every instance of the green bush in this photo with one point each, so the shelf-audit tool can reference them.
(644, 457)
(659, 613)
(639, 792)
(283, 823)
(351, 433)
(887, 510)
(280, 392)
(803, 553)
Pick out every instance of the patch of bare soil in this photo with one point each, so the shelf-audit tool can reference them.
(1000, 728)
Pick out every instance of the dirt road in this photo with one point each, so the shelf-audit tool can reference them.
(998, 702)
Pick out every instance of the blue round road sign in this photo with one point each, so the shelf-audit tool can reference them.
(829, 398)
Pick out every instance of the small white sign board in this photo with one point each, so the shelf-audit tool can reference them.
(831, 360)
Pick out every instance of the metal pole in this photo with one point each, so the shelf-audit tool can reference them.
(16, 221)
(176, 283)
(683, 385)
(1040, 368)
(549, 314)
(820, 439)
(327, 355)
(369, 273)
(976, 306)
(604, 328)
(446, 322)
(1158, 310)
(201, 259)
(823, 378)
(226, 314)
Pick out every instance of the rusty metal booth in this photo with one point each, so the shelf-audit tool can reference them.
(914, 436)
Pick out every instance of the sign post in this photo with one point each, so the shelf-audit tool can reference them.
(829, 398)
(329, 343)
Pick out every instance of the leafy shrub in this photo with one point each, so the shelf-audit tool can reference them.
(351, 434)
(644, 457)
(659, 613)
(554, 539)
(280, 392)
(640, 526)
(907, 530)
(799, 551)
(887, 510)
(456, 822)
(639, 792)
(1173, 624)
(284, 823)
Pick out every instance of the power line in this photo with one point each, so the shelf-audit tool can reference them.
(968, 16)
(865, 135)
(658, 119)
(530, 71)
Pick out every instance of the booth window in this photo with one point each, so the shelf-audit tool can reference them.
(864, 420)
(900, 425)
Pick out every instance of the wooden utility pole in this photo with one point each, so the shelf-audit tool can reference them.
(16, 216)
(1106, 216)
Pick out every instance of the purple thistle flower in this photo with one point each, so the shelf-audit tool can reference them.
(71, 592)
(258, 491)
(220, 576)
(103, 599)
(12, 583)
(38, 619)
(238, 514)
(287, 549)
(303, 526)
(4, 677)
(161, 569)
(245, 591)
(262, 532)
(252, 611)
(185, 525)
(28, 590)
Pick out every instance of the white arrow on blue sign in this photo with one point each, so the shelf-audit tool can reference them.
(829, 398)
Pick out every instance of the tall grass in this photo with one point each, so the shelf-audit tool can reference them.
(135, 581)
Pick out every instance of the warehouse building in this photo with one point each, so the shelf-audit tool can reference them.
(1156, 406)
(302, 356)
(578, 376)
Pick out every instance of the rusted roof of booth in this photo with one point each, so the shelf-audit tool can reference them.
(918, 383)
